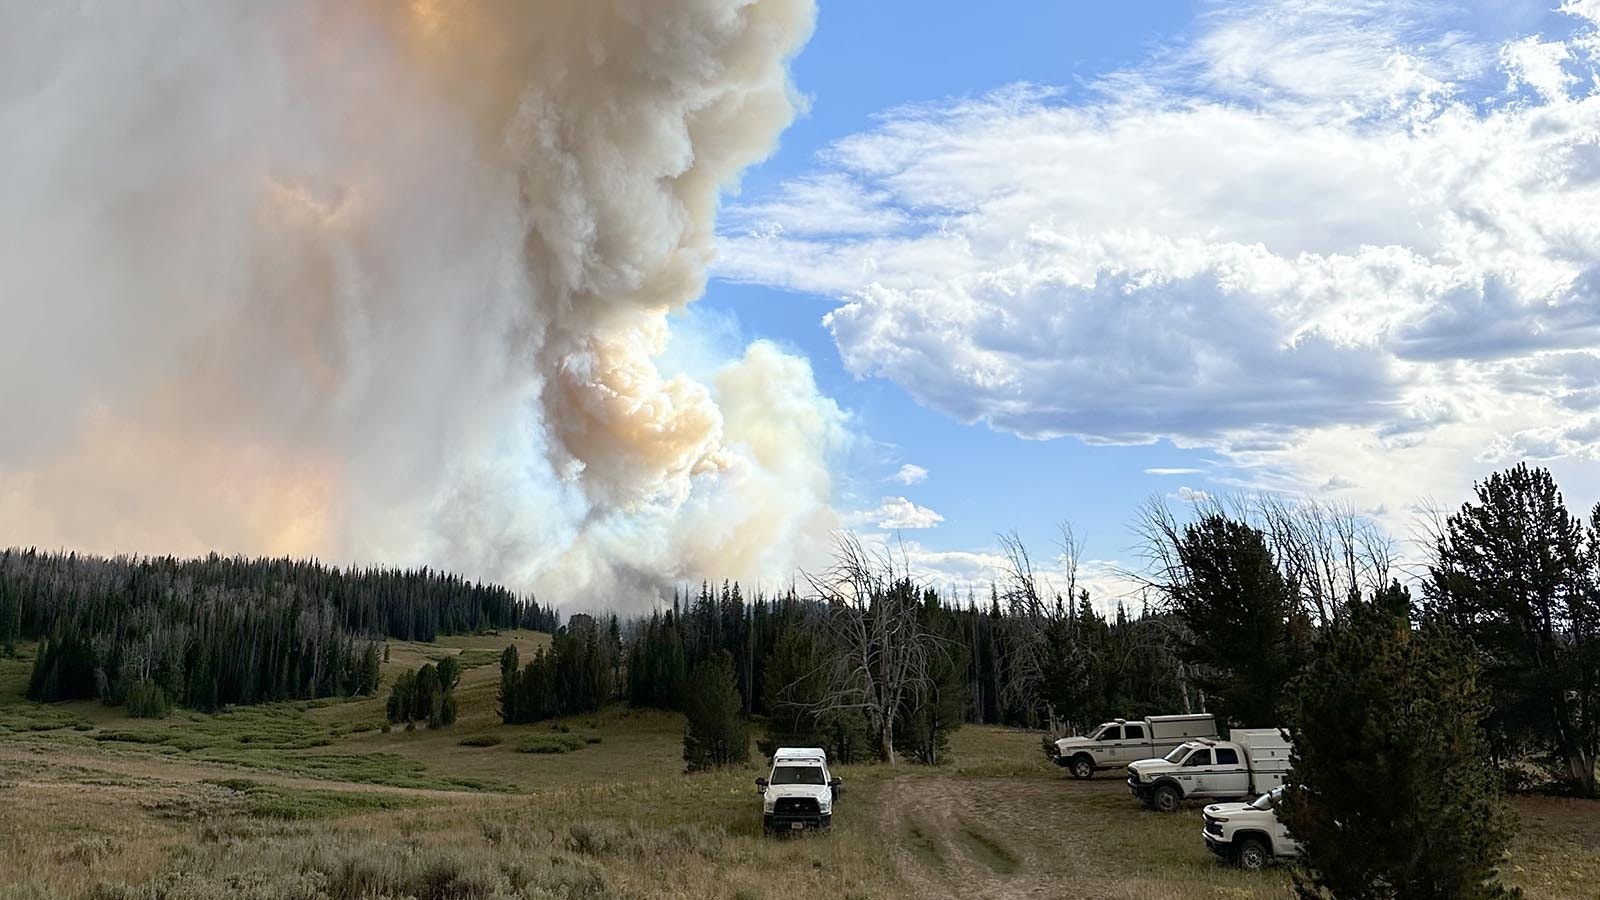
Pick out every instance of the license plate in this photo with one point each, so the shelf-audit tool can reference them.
(797, 825)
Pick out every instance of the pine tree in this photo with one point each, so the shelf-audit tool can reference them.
(1514, 572)
(923, 732)
(1393, 796)
(714, 734)
(1237, 606)
(509, 669)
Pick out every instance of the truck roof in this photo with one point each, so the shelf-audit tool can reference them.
(795, 754)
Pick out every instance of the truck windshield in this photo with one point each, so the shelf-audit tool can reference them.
(1268, 800)
(798, 775)
(1178, 753)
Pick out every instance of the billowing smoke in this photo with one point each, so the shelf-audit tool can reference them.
(387, 282)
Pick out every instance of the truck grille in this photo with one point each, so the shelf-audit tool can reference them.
(796, 806)
(1213, 826)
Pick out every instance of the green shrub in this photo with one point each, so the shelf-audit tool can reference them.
(552, 743)
(146, 700)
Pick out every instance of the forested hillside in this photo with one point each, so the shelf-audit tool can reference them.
(207, 632)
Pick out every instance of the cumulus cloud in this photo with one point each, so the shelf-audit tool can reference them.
(1348, 240)
(964, 574)
(388, 282)
(898, 513)
(910, 474)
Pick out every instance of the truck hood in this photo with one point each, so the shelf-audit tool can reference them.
(1228, 809)
(1147, 769)
(818, 792)
(1073, 743)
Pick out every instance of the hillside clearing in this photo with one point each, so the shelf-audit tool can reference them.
(178, 817)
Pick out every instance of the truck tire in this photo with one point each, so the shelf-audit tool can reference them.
(1082, 767)
(1167, 799)
(1252, 854)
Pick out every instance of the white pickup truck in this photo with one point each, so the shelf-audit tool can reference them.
(1253, 761)
(1122, 741)
(1249, 835)
(800, 792)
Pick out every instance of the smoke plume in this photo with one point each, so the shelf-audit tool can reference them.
(387, 282)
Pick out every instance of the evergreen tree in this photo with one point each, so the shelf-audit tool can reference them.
(403, 698)
(10, 618)
(796, 688)
(509, 686)
(429, 702)
(1393, 797)
(449, 673)
(923, 732)
(1236, 606)
(367, 682)
(1514, 572)
(714, 734)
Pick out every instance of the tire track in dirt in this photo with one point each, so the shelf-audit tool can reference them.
(948, 840)
(996, 838)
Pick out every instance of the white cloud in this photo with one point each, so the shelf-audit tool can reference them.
(1346, 245)
(910, 474)
(1186, 494)
(963, 572)
(1162, 470)
(896, 513)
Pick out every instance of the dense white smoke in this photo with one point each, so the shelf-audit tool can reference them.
(386, 282)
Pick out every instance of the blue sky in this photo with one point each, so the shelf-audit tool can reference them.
(868, 57)
(1377, 414)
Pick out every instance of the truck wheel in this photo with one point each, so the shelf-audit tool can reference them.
(1082, 768)
(1252, 854)
(1167, 799)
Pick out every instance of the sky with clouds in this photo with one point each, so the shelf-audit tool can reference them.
(1054, 259)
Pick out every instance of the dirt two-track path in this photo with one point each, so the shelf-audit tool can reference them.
(977, 838)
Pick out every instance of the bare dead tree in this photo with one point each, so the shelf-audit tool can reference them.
(1327, 551)
(1034, 610)
(881, 653)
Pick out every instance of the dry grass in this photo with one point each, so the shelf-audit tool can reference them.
(192, 811)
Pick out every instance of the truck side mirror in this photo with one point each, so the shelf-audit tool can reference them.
(761, 785)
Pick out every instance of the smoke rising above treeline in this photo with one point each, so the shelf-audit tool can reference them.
(387, 282)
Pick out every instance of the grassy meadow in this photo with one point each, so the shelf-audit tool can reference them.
(306, 800)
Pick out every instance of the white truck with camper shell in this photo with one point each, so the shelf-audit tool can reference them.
(1121, 741)
(1249, 835)
(799, 793)
(1251, 762)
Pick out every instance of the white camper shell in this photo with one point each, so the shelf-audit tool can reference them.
(1252, 762)
(1121, 741)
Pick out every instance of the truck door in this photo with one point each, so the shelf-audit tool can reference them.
(1191, 773)
(1134, 746)
(1105, 749)
(1226, 776)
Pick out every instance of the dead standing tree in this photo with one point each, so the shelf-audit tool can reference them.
(1034, 612)
(880, 650)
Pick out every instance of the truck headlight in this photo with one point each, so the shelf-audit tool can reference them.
(768, 805)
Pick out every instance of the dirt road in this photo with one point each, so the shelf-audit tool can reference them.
(1011, 838)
